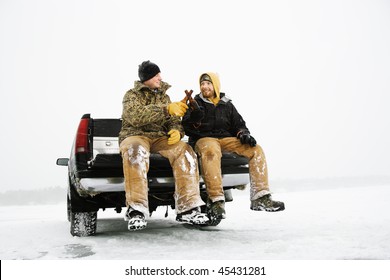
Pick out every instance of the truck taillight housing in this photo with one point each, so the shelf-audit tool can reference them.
(81, 145)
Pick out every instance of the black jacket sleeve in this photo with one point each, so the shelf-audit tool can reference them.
(238, 123)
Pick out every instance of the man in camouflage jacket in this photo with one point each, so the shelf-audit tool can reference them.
(151, 124)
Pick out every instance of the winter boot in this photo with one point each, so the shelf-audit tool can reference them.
(216, 212)
(136, 220)
(265, 203)
(193, 216)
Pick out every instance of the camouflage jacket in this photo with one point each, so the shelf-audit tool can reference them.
(145, 114)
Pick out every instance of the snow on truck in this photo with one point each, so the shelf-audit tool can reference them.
(95, 175)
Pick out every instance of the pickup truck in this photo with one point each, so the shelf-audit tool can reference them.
(95, 175)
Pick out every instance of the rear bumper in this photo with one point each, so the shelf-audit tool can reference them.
(116, 184)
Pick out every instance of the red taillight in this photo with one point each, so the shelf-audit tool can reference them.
(81, 145)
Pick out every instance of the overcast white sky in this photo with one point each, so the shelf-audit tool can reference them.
(311, 78)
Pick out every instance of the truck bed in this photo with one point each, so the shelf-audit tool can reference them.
(105, 171)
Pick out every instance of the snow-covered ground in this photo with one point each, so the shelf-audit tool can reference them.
(326, 224)
(331, 223)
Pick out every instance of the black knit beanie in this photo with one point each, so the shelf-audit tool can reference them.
(147, 70)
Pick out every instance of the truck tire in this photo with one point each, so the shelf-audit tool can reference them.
(83, 220)
(83, 223)
(213, 223)
(68, 208)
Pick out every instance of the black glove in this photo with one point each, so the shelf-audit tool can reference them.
(246, 138)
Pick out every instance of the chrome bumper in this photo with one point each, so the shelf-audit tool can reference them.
(100, 185)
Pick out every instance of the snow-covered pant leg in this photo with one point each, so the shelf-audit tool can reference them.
(258, 172)
(135, 157)
(209, 151)
(185, 170)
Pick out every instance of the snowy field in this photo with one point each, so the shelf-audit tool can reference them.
(351, 223)
(334, 223)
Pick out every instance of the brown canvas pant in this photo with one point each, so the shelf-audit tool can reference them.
(210, 153)
(135, 152)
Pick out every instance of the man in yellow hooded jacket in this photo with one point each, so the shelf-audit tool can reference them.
(151, 124)
(214, 127)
